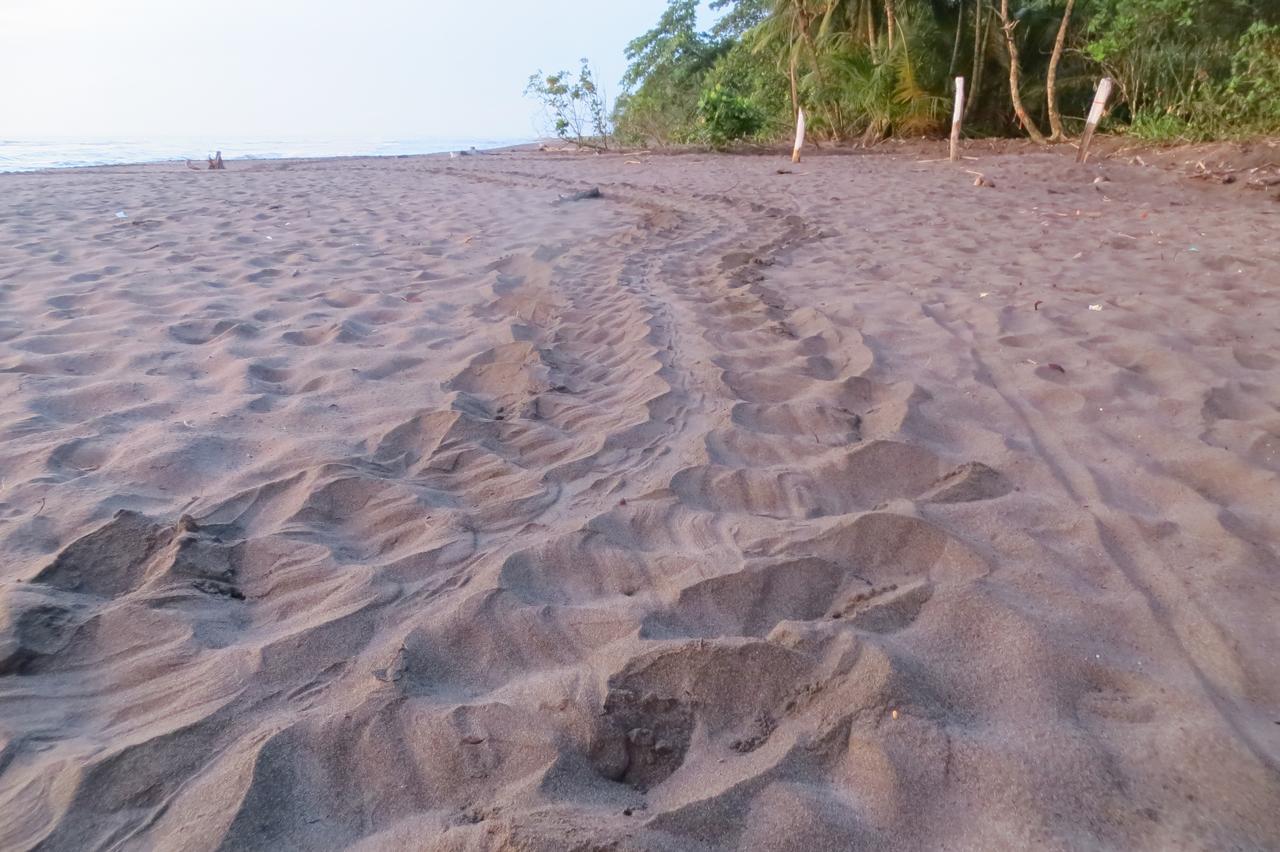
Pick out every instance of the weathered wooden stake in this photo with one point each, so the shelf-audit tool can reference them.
(1095, 115)
(957, 116)
(795, 152)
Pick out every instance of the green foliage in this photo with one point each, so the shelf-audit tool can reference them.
(1177, 60)
(1245, 103)
(739, 17)
(727, 116)
(574, 105)
(673, 51)
(1253, 92)
(881, 97)
(663, 80)
(874, 90)
(739, 70)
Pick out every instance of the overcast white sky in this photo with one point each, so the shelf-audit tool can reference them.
(296, 68)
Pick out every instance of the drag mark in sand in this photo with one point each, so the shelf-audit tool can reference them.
(456, 515)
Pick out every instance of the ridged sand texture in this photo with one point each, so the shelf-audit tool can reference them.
(399, 504)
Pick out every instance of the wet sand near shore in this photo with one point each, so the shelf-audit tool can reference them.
(405, 504)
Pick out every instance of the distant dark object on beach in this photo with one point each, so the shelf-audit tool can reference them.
(215, 162)
(593, 192)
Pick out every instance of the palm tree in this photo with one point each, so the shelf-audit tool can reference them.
(790, 26)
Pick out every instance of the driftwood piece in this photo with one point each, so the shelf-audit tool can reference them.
(593, 192)
(981, 180)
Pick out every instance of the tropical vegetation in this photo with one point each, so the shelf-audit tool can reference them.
(863, 70)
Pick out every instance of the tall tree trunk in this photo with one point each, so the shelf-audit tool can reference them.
(795, 95)
(871, 29)
(888, 20)
(955, 48)
(981, 34)
(832, 110)
(1007, 24)
(1051, 81)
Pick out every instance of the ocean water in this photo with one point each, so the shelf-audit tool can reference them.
(21, 155)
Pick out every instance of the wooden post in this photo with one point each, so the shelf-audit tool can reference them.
(957, 116)
(795, 152)
(1095, 115)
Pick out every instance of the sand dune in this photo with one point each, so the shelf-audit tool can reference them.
(399, 504)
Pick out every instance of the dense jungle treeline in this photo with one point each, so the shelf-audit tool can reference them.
(868, 69)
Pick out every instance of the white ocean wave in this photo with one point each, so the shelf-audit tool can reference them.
(21, 155)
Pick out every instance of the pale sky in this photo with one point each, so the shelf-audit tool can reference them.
(296, 68)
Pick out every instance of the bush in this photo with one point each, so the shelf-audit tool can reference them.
(739, 70)
(575, 106)
(1163, 126)
(728, 117)
(1253, 92)
(1247, 103)
(649, 116)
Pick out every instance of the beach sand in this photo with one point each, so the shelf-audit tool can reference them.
(400, 504)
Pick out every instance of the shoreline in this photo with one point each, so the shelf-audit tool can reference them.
(1257, 161)
(261, 159)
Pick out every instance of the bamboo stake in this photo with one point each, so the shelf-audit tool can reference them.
(957, 118)
(1095, 115)
(795, 152)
